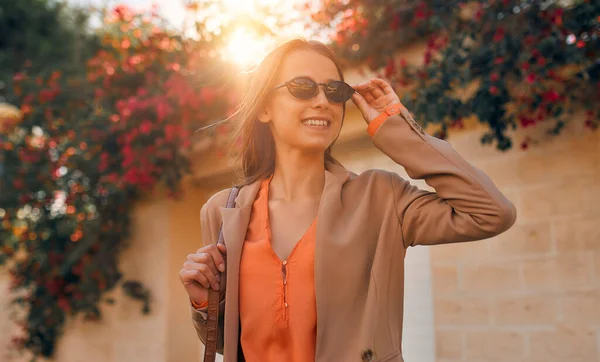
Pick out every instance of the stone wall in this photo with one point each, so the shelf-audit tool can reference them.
(533, 293)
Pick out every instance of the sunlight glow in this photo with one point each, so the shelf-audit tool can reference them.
(247, 49)
(246, 46)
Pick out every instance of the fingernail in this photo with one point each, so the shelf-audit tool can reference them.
(222, 267)
(217, 286)
(218, 278)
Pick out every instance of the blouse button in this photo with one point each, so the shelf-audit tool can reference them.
(367, 356)
(285, 262)
(285, 304)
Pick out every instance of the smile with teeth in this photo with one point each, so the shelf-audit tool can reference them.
(316, 122)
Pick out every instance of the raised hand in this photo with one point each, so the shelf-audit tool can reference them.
(373, 96)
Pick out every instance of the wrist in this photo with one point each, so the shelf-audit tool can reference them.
(199, 305)
(391, 110)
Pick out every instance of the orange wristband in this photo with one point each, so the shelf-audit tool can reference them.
(199, 306)
(387, 112)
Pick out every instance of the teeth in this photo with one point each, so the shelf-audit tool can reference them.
(315, 122)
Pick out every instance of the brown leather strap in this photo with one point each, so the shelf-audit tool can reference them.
(210, 350)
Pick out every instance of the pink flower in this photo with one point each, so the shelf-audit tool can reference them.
(146, 127)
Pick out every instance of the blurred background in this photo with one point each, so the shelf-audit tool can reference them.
(103, 170)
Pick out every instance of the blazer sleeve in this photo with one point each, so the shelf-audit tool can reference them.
(466, 205)
(199, 317)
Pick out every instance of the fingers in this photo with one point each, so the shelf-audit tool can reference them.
(202, 273)
(216, 252)
(364, 89)
(360, 102)
(205, 266)
(195, 275)
(383, 85)
(376, 86)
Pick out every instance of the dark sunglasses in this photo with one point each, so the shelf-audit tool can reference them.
(306, 88)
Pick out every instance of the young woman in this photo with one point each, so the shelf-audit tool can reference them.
(314, 266)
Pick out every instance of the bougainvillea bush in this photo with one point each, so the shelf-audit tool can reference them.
(87, 148)
(509, 64)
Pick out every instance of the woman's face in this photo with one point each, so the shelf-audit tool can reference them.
(297, 124)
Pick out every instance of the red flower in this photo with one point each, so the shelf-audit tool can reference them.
(63, 303)
(580, 44)
(395, 22)
(494, 77)
(499, 60)
(499, 34)
(208, 95)
(494, 90)
(526, 121)
(531, 78)
(18, 77)
(146, 127)
(541, 61)
(551, 96)
(529, 39)
(427, 58)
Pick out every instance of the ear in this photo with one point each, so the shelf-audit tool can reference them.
(264, 116)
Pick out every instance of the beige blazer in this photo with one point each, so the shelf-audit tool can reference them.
(365, 224)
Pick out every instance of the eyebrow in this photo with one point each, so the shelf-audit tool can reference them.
(326, 80)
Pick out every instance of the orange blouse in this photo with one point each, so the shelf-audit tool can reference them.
(278, 310)
(277, 302)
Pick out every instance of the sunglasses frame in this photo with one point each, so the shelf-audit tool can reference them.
(318, 85)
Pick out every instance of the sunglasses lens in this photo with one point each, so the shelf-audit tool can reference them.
(303, 88)
(339, 91)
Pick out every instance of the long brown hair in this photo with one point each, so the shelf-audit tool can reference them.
(256, 144)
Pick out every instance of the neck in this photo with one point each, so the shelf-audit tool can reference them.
(297, 176)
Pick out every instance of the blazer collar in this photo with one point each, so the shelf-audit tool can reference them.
(248, 193)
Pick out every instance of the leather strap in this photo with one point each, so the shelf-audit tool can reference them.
(210, 349)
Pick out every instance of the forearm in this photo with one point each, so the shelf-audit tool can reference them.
(466, 203)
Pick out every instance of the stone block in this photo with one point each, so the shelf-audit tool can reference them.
(582, 307)
(493, 279)
(564, 343)
(491, 345)
(462, 311)
(521, 310)
(554, 200)
(522, 240)
(562, 272)
(448, 343)
(580, 234)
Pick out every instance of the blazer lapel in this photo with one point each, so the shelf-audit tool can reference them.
(328, 215)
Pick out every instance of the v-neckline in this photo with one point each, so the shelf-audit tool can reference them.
(267, 223)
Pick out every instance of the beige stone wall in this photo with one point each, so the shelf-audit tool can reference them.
(533, 293)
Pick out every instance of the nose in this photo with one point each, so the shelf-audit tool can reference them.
(320, 100)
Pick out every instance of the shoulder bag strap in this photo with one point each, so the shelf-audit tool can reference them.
(210, 350)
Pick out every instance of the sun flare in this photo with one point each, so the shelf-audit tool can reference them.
(247, 46)
(247, 49)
